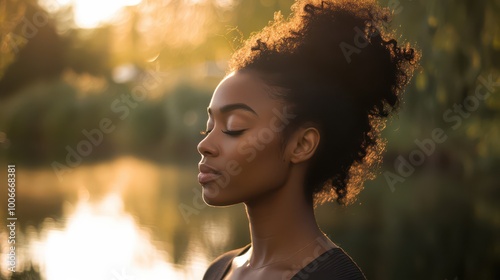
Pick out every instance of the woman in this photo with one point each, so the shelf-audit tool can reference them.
(295, 124)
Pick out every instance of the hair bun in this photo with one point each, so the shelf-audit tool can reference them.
(341, 67)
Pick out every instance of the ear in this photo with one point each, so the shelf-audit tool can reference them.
(304, 143)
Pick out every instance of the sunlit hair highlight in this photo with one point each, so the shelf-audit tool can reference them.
(340, 67)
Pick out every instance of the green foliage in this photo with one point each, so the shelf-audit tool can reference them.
(439, 222)
(44, 119)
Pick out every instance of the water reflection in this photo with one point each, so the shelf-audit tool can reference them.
(100, 241)
(116, 220)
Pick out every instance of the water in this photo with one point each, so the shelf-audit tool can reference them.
(120, 220)
(115, 220)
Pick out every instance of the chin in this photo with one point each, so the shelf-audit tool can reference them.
(214, 198)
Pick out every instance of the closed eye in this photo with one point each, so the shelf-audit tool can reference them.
(233, 132)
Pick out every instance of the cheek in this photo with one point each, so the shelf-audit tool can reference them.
(254, 166)
(260, 160)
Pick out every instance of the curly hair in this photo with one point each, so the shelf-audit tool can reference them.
(337, 65)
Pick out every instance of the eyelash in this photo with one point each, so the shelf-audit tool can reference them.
(228, 132)
(233, 132)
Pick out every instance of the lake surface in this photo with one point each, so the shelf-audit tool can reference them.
(117, 220)
(131, 219)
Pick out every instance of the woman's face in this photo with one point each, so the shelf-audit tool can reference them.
(242, 156)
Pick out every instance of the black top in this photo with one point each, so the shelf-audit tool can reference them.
(333, 264)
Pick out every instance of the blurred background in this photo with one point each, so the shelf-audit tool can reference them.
(101, 104)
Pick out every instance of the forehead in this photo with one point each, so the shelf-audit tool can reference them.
(246, 88)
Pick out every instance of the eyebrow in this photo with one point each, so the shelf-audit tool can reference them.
(236, 106)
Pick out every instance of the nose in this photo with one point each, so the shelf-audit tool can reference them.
(206, 147)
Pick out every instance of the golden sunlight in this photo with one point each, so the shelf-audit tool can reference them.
(100, 241)
(90, 13)
(118, 221)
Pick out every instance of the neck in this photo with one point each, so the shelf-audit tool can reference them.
(281, 224)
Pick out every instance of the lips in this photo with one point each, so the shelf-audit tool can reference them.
(207, 174)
